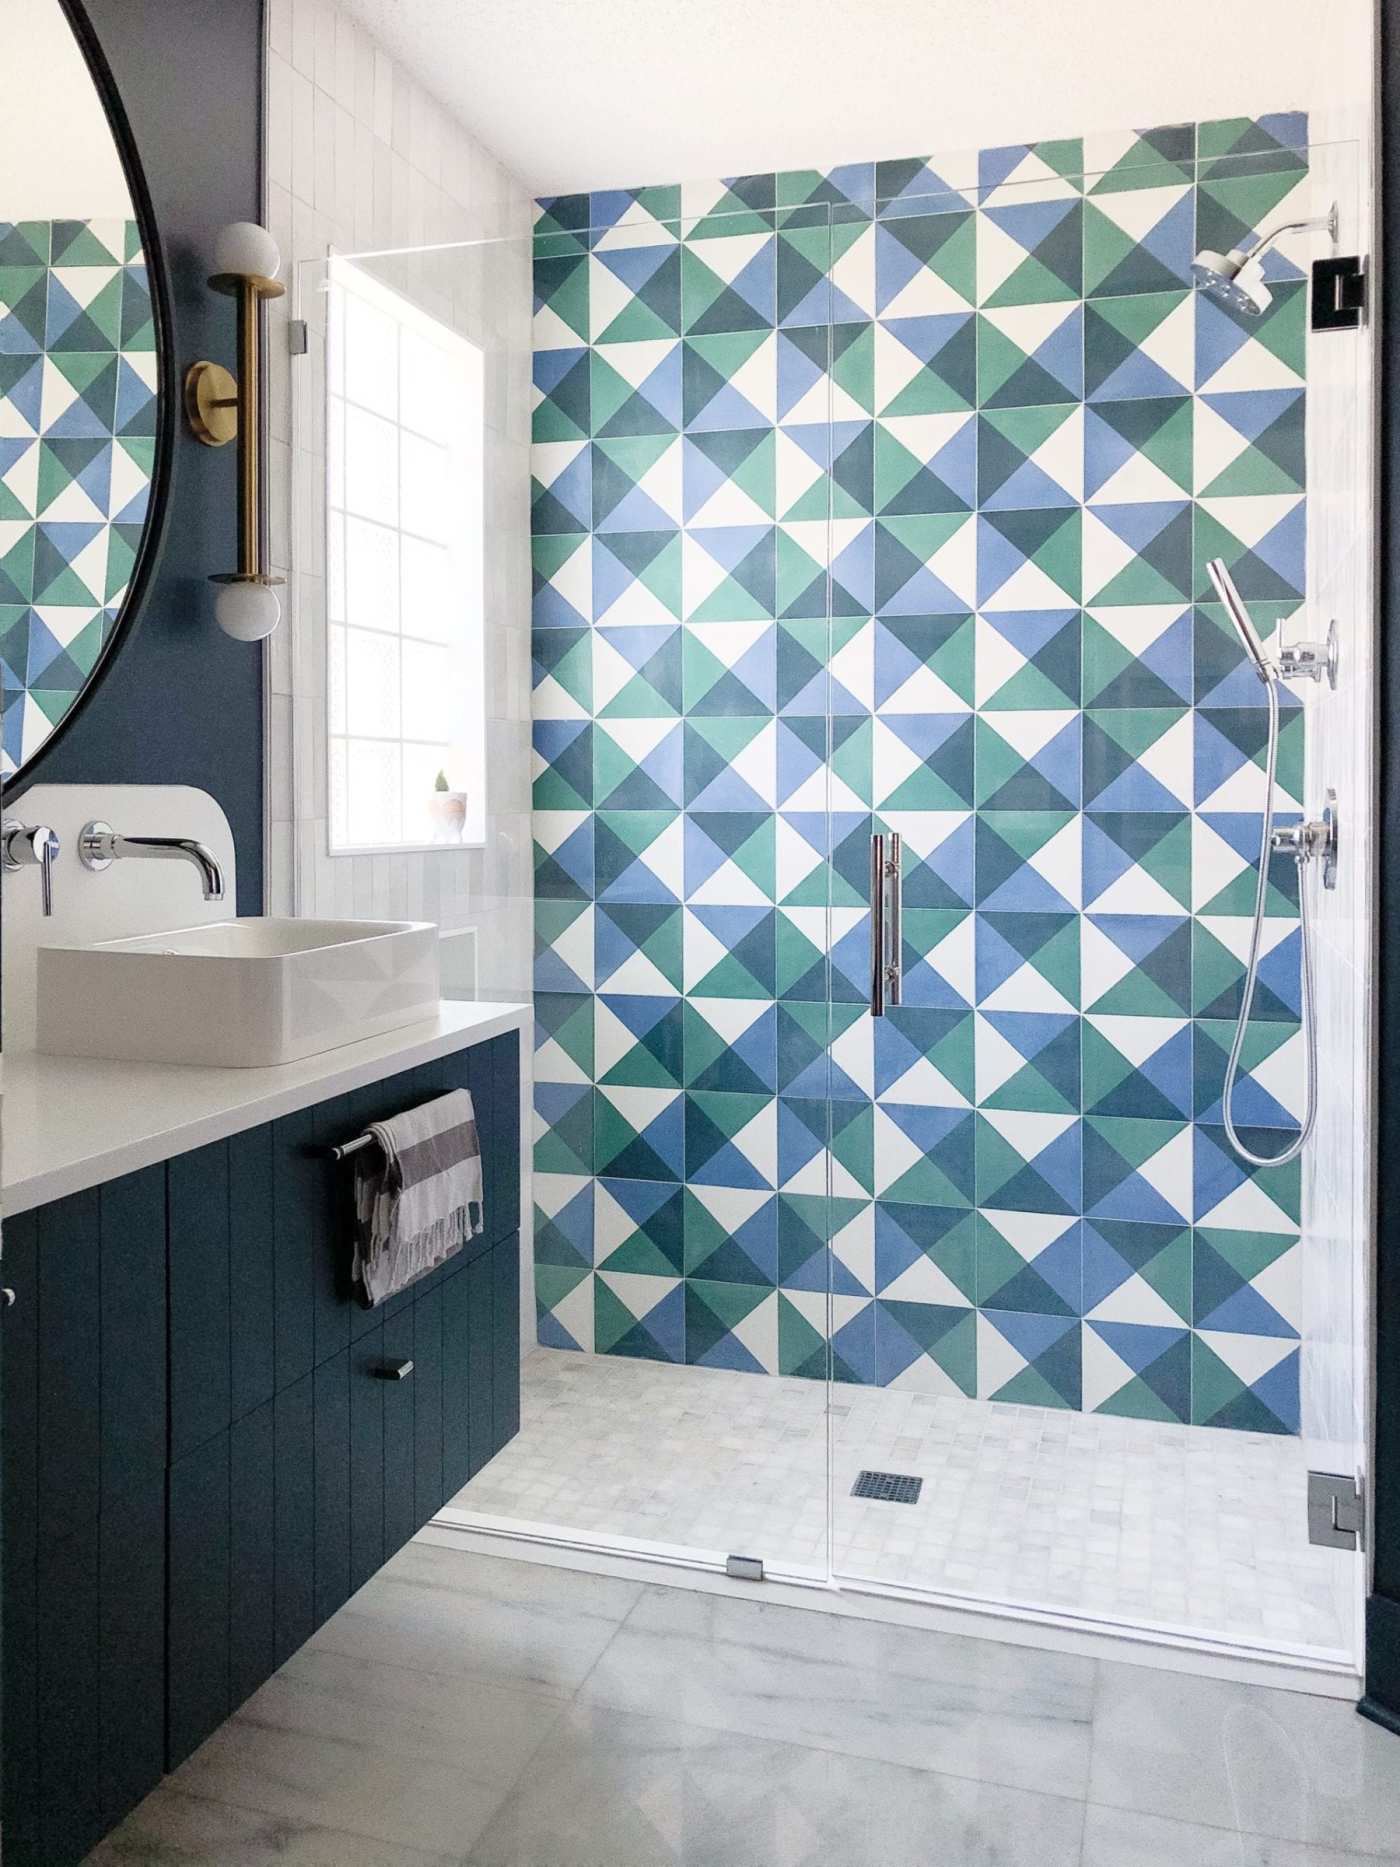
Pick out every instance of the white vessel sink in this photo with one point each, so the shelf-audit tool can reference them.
(244, 993)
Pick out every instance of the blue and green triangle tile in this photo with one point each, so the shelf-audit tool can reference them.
(1029, 1359)
(1029, 1161)
(1137, 965)
(1027, 961)
(1031, 355)
(639, 1133)
(925, 1254)
(1140, 239)
(564, 1221)
(639, 1316)
(1249, 1383)
(1138, 1167)
(1137, 861)
(730, 1235)
(638, 1040)
(1231, 1195)
(1138, 1067)
(923, 1155)
(1138, 1273)
(1029, 1261)
(1138, 1371)
(1028, 1060)
(1269, 1086)
(926, 1348)
(639, 1227)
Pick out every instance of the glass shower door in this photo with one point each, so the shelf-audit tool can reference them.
(1065, 1312)
(682, 480)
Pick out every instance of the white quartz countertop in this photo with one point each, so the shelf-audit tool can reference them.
(68, 1123)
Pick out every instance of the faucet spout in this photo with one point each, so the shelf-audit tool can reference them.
(100, 846)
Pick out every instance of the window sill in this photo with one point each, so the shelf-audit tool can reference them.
(410, 849)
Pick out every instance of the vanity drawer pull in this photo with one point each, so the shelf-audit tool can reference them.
(7, 1298)
(396, 1370)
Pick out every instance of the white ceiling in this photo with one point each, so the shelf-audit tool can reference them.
(581, 94)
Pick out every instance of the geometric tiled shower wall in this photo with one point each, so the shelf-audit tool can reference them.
(881, 499)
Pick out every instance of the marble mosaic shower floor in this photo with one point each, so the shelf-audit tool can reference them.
(1116, 1519)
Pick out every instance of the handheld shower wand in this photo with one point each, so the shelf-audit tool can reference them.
(1302, 841)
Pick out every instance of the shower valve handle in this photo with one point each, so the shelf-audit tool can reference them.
(1312, 840)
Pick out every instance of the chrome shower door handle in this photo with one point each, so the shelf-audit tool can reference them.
(877, 925)
(886, 936)
(894, 932)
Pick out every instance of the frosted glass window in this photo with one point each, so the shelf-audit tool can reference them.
(371, 575)
(423, 408)
(405, 709)
(335, 566)
(369, 346)
(373, 790)
(371, 466)
(427, 691)
(372, 700)
(427, 491)
(427, 589)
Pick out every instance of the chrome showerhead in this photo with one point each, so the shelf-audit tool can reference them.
(1235, 279)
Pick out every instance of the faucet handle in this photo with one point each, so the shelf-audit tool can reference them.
(97, 845)
(24, 845)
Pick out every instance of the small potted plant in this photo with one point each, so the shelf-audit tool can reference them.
(448, 810)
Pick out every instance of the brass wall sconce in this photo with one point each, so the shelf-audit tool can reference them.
(221, 408)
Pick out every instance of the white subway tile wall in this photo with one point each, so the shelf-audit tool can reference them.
(361, 157)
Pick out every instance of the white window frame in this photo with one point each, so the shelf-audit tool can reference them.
(464, 378)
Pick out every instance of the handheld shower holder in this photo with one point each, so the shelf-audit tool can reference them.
(1311, 661)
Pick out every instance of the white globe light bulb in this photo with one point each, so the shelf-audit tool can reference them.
(247, 611)
(246, 248)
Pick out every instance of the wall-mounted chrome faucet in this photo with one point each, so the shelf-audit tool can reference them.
(24, 846)
(100, 846)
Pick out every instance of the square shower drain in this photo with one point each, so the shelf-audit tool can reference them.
(888, 1487)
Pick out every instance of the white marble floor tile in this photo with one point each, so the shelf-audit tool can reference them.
(609, 1789)
(1117, 1519)
(930, 1701)
(517, 1624)
(1245, 1758)
(172, 1827)
(322, 1781)
(678, 1729)
(1124, 1838)
(488, 1732)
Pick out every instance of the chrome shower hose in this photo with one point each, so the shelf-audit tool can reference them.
(1251, 976)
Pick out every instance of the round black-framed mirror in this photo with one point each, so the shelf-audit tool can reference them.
(87, 397)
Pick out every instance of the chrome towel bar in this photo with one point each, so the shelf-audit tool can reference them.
(347, 1148)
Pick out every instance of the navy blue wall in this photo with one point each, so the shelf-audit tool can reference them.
(179, 703)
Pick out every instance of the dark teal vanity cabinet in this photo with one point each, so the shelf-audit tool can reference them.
(209, 1444)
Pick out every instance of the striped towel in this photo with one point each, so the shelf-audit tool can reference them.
(415, 1194)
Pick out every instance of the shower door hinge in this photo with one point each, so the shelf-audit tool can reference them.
(1336, 1510)
(296, 337)
(744, 1568)
(1338, 293)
